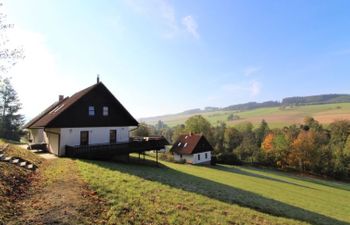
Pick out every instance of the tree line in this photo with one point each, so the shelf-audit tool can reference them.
(309, 147)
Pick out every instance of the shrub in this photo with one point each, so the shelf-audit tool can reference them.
(228, 158)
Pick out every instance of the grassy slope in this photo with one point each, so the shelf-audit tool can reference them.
(184, 194)
(13, 180)
(274, 115)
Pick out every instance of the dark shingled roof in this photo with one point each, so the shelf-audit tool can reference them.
(189, 144)
(48, 116)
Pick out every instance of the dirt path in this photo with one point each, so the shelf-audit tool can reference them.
(59, 196)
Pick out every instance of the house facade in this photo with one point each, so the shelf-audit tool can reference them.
(193, 149)
(91, 116)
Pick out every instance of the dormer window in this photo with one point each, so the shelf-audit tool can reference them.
(91, 110)
(185, 145)
(105, 111)
(178, 145)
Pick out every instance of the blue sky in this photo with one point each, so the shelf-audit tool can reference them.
(160, 56)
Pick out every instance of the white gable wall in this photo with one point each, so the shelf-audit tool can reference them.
(202, 158)
(193, 159)
(97, 135)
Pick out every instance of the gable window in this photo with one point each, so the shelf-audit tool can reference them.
(105, 111)
(113, 136)
(84, 137)
(206, 155)
(199, 156)
(91, 110)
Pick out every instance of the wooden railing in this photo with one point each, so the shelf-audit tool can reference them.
(105, 151)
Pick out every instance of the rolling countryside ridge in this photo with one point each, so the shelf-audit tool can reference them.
(277, 117)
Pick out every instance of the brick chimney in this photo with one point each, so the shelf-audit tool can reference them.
(60, 97)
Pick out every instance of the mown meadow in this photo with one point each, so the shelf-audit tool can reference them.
(185, 194)
(275, 116)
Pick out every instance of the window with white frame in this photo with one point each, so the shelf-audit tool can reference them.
(105, 111)
(199, 156)
(91, 110)
(178, 145)
(206, 155)
(185, 145)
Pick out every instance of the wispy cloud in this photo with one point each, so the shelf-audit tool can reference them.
(252, 88)
(249, 71)
(163, 12)
(191, 26)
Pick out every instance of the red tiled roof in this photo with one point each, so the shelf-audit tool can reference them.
(188, 144)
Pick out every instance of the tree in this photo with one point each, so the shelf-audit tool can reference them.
(178, 130)
(11, 120)
(261, 132)
(142, 130)
(198, 124)
(232, 138)
(160, 125)
(8, 54)
(311, 123)
(248, 150)
(339, 131)
(304, 154)
(245, 127)
(280, 150)
(168, 134)
(218, 136)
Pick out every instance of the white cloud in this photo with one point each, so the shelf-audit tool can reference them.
(252, 88)
(255, 88)
(163, 12)
(191, 26)
(249, 71)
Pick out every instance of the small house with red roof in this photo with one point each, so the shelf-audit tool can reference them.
(193, 149)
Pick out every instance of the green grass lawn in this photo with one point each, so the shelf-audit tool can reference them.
(185, 194)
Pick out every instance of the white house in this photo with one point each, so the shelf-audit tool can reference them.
(193, 149)
(89, 117)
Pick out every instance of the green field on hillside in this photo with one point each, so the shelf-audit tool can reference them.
(186, 194)
(275, 116)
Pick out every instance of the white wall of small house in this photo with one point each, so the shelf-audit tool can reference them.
(37, 135)
(201, 158)
(97, 135)
(51, 137)
(193, 159)
(178, 158)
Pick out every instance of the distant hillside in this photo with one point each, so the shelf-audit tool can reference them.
(316, 99)
(291, 109)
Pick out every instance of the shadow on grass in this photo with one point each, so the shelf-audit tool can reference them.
(292, 175)
(247, 173)
(218, 191)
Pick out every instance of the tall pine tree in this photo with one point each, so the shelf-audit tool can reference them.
(10, 121)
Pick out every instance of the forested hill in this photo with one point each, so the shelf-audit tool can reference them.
(316, 99)
(305, 100)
